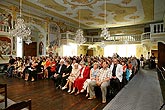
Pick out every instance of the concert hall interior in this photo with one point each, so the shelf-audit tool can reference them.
(82, 54)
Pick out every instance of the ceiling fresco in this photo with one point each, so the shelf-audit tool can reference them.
(92, 12)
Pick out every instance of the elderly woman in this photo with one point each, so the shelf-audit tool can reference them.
(93, 73)
(84, 74)
(74, 74)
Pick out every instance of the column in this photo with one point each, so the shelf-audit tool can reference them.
(19, 47)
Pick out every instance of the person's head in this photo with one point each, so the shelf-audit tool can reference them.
(95, 65)
(61, 61)
(47, 59)
(76, 65)
(88, 59)
(67, 62)
(123, 63)
(82, 63)
(115, 61)
(105, 64)
(74, 61)
(141, 55)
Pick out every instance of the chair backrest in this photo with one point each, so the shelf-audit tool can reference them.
(3, 90)
(20, 105)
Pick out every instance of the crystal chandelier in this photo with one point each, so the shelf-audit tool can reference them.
(20, 30)
(79, 38)
(105, 33)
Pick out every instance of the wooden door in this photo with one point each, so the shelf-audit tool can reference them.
(161, 54)
(155, 53)
(90, 52)
(30, 50)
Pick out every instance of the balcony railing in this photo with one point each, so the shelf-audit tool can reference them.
(146, 36)
(4, 28)
(157, 28)
(136, 37)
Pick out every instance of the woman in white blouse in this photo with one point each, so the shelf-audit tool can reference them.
(74, 74)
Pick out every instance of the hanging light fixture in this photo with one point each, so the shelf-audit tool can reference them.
(20, 30)
(105, 33)
(79, 38)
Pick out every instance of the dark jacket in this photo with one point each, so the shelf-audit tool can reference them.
(62, 69)
(68, 70)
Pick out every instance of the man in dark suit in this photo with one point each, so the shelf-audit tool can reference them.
(58, 74)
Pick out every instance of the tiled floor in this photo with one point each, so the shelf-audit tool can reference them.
(142, 93)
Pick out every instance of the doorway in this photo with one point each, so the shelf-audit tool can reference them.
(90, 52)
(30, 50)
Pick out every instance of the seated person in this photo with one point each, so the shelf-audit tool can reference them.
(66, 73)
(53, 66)
(74, 74)
(27, 65)
(116, 75)
(32, 70)
(84, 74)
(11, 66)
(20, 70)
(58, 74)
(47, 67)
(93, 73)
(102, 80)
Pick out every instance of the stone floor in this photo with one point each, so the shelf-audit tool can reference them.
(141, 93)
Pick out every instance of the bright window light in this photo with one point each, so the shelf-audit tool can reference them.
(123, 50)
(70, 50)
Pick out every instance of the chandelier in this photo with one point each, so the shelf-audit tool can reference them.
(20, 30)
(79, 38)
(105, 33)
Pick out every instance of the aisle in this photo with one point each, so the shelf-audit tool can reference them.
(142, 93)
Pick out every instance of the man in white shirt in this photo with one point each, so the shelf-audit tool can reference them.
(116, 75)
(102, 80)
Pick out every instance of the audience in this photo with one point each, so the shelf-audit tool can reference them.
(78, 73)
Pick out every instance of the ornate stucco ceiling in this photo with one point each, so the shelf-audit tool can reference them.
(91, 12)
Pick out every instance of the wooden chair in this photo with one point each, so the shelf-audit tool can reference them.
(20, 105)
(3, 94)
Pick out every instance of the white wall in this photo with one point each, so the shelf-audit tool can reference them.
(19, 47)
(123, 50)
(70, 50)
